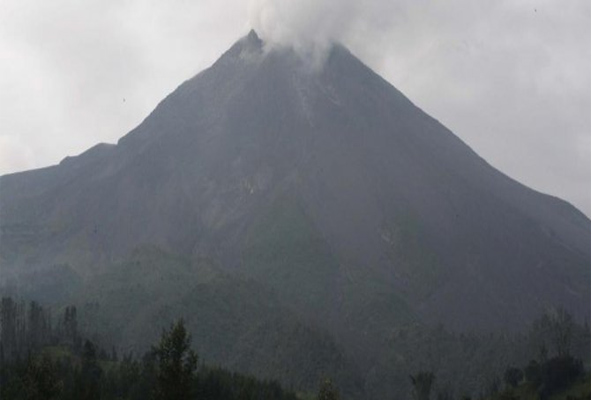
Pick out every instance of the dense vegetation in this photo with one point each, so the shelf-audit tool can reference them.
(368, 345)
(237, 322)
(42, 361)
(42, 357)
(474, 364)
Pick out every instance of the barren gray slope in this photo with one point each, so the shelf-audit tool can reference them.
(408, 221)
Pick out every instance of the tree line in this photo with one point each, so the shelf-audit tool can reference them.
(46, 357)
(552, 371)
(42, 360)
(28, 327)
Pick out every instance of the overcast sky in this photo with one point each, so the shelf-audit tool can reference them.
(509, 77)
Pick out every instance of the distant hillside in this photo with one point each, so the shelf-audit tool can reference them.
(234, 321)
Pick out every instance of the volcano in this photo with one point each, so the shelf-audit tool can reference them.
(323, 184)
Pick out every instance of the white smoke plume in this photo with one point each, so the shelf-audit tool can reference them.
(309, 26)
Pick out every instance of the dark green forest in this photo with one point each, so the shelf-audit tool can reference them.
(45, 356)
(40, 360)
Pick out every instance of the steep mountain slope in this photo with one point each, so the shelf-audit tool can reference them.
(325, 184)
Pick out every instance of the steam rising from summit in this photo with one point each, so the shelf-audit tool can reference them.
(309, 26)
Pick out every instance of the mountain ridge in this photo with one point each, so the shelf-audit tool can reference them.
(328, 186)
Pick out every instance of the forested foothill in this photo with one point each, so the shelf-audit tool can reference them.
(46, 358)
(45, 355)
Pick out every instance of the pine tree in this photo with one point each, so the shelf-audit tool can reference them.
(8, 327)
(91, 373)
(177, 364)
(36, 325)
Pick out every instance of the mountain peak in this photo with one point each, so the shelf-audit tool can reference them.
(261, 155)
(246, 48)
(253, 37)
(251, 41)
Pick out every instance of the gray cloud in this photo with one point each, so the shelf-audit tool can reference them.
(511, 78)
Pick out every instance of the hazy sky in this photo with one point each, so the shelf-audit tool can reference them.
(509, 77)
